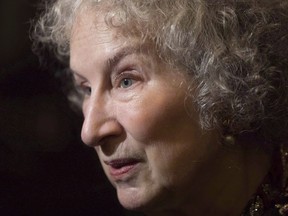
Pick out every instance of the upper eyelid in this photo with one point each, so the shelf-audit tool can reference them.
(130, 73)
(123, 75)
(128, 65)
(77, 82)
(80, 84)
(121, 66)
(116, 62)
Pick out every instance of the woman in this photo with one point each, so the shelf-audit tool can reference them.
(184, 101)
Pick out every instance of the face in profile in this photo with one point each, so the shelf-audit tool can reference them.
(139, 118)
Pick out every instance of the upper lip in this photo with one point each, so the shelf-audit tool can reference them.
(118, 163)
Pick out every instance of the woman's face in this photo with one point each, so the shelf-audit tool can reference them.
(138, 118)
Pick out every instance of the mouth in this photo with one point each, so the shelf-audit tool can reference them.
(122, 167)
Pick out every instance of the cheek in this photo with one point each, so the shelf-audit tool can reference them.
(172, 138)
(146, 120)
(179, 160)
(162, 126)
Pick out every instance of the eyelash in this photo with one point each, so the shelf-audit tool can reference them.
(83, 90)
(116, 81)
(127, 75)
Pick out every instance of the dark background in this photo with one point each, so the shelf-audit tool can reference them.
(44, 167)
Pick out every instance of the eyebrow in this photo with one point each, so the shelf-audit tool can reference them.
(111, 63)
(116, 58)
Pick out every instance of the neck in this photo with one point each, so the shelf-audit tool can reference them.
(234, 176)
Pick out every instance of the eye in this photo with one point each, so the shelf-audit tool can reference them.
(126, 82)
(84, 90)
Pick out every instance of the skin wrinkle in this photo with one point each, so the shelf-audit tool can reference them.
(164, 135)
(200, 84)
(210, 39)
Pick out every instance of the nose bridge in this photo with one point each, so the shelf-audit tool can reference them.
(97, 112)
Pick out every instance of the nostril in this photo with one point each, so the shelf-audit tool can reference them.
(110, 144)
(102, 141)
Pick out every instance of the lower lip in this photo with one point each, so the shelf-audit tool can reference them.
(122, 172)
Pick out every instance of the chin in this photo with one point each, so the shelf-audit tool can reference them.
(131, 199)
(134, 205)
(136, 199)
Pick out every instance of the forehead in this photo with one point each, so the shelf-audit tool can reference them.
(88, 25)
(109, 16)
(89, 33)
(93, 43)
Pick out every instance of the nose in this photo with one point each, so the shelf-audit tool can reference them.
(100, 122)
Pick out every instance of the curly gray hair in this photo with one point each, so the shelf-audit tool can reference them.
(235, 50)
